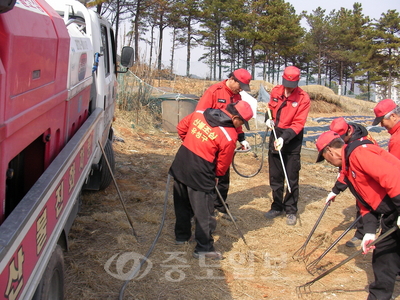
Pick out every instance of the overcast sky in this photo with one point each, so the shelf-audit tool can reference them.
(371, 8)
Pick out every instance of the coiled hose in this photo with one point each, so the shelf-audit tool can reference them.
(255, 155)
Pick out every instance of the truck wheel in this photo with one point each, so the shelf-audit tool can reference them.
(101, 176)
(106, 176)
(51, 286)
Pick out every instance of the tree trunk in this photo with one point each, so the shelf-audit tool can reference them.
(151, 45)
(389, 88)
(160, 41)
(215, 61)
(136, 23)
(188, 46)
(218, 45)
(341, 74)
(173, 51)
(252, 58)
(319, 67)
(117, 25)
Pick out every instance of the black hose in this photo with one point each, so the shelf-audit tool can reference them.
(134, 272)
(262, 158)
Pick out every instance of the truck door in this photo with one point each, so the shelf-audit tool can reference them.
(109, 89)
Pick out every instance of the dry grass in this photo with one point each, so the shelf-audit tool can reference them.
(263, 269)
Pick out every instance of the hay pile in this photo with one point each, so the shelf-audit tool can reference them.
(349, 105)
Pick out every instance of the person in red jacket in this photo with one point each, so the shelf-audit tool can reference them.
(371, 174)
(219, 96)
(209, 141)
(349, 132)
(289, 105)
(388, 114)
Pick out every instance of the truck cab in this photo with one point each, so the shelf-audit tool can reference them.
(57, 97)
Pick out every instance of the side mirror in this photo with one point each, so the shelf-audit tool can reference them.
(127, 57)
(6, 5)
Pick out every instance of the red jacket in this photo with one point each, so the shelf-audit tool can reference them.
(394, 142)
(219, 96)
(373, 177)
(360, 133)
(209, 141)
(290, 115)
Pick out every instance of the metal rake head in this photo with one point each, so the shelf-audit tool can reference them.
(312, 266)
(312, 270)
(303, 289)
(307, 285)
(300, 253)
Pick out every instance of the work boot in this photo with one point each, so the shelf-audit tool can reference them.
(291, 219)
(189, 241)
(354, 242)
(214, 255)
(227, 217)
(224, 215)
(272, 214)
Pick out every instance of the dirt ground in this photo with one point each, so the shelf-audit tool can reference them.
(103, 251)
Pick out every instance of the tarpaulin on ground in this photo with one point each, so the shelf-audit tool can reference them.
(251, 101)
(263, 95)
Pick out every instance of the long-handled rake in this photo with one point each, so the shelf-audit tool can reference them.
(280, 154)
(380, 238)
(118, 191)
(230, 215)
(312, 266)
(301, 252)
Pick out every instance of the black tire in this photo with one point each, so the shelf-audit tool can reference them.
(105, 175)
(51, 286)
(101, 176)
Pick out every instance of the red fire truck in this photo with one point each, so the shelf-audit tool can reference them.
(57, 97)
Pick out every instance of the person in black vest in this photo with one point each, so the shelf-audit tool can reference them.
(209, 141)
(371, 174)
(349, 132)
(218, 96)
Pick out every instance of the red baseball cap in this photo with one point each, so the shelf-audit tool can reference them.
(243, 77)
(245, 112)
(382, 108)
(339, 125)
(323, 140)
(291, 77)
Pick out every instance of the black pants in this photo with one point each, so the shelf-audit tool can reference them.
(223, 187)
(385, 262)
(188, 203)
(359, 225)
(277, 181)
